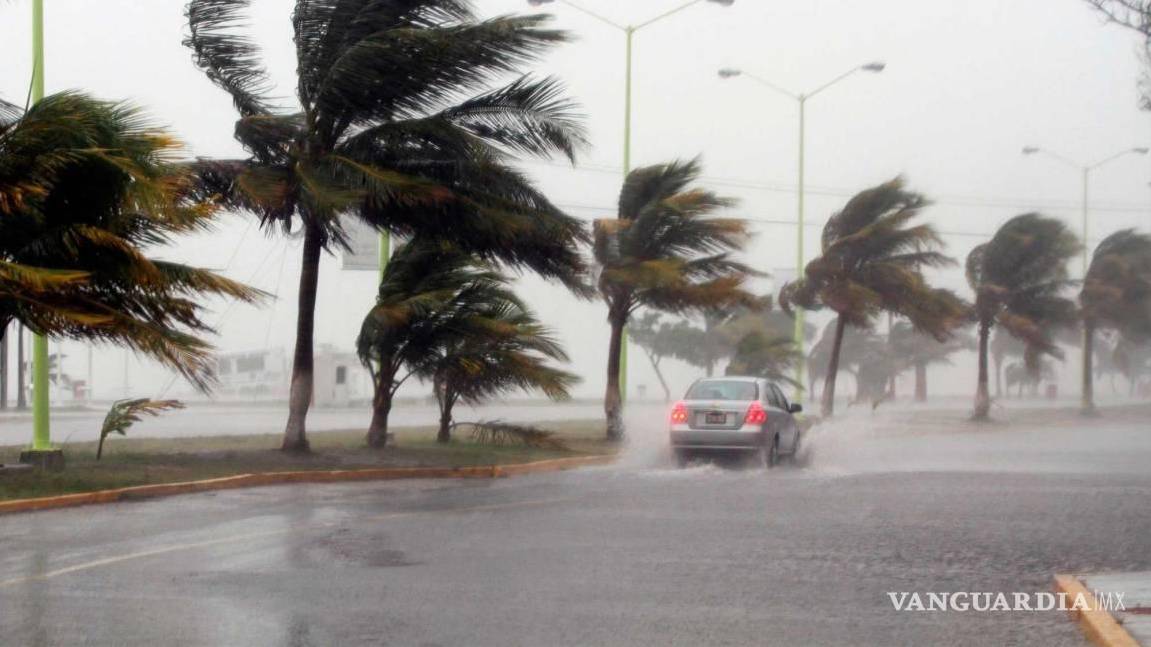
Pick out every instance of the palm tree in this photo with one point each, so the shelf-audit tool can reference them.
(1116, 295)
(1018, 278)
(424, 290)
(86, 187)
(498, 346)
(665, 252)
(872, 262)
(381, 133)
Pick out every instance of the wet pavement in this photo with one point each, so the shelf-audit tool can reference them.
(636, 554)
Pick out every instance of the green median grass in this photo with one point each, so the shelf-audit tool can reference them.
(143, 461)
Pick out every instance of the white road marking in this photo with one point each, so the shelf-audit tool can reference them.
(107, 561)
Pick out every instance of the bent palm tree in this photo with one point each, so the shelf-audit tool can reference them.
(872, 262)
(85, 187)
(1116, 295)
(497, 346)
(425, 290)
(1018, 278)
(381, 133)
(665, 252)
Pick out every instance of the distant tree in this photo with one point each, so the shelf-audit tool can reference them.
(1018, 278)
(396, 123)
(1003, 346)
(1134, 15)
(762, 355)
(659, 340)
(855, 346)
(1134, 360)
(912, 349)
(872, 262)
(87, 188)
(1116, 295)
(665, 252)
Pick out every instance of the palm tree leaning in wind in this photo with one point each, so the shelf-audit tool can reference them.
(86, 186)
(665, 252)
(381, 133)
(872, 262)
(496, 346)
(1018, 278)
(1116, 295)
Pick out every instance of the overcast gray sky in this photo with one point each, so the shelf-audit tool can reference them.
(967, 85)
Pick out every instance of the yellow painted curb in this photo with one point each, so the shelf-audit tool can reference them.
(1100, 626)
(312, 476)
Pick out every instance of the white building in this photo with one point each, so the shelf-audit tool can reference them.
(340, 379)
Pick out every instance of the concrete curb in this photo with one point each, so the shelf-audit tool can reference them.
(1100, 627)
(315, 476)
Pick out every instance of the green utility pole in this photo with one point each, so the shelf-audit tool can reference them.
(41, 435)
(630, 33)
(801, 98)
(797, 335)
(41, 452)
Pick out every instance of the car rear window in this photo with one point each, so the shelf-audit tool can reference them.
(723, 390)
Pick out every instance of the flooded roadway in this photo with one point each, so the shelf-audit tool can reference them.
(636, 554)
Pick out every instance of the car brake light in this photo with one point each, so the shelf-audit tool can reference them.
(755, 415)
(679, 413)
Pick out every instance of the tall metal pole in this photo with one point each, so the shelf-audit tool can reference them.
(41, 434)
(385, 252)
(630, 33)
(1086, 247)
(797, 338)
(1086, 398)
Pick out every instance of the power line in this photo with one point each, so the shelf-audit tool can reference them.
(1019, 203)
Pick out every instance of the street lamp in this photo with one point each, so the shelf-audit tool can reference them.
(1085, 169)
(730, 73)
(629, 33)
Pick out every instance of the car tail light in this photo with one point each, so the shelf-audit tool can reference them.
(755, 415)
(679, 413)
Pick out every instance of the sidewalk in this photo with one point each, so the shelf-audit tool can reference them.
(1136, 590)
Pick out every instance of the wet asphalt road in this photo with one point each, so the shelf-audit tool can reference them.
(636, 554)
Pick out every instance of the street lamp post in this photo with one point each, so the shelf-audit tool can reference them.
(1085, 170)
(801, 98)
(629, 32)
(41, 452)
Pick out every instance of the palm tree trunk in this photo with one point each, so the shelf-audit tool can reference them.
(982, 397)
(300, 395)
(828, 407)
(999, 375)
(921, 381)
(1087, 406)
(612, 402)
(447, 402)
(381, 409)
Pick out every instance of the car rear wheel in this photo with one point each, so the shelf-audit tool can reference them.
(680, 457)
(769, 453)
